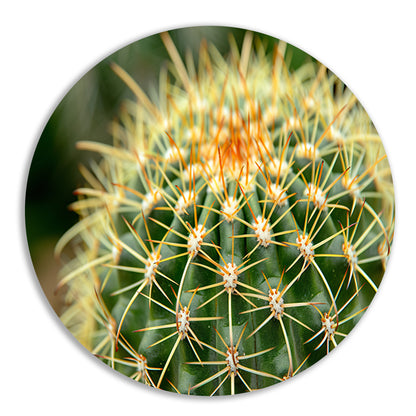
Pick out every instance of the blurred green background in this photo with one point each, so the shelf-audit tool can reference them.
(85, 113)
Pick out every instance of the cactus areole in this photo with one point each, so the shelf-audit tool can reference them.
(237, 227)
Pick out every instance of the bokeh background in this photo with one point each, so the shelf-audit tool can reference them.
(85, 113)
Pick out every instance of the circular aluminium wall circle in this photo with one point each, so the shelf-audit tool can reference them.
(233, 211)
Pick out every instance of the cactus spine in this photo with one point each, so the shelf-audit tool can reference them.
(236, 229)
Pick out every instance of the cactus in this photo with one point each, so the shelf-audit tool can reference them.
(236, 229)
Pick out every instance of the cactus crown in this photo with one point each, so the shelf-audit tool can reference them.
(236, 229)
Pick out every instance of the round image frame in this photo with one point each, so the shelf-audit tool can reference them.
(287, 198)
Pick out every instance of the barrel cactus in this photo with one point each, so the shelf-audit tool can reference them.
(236, 229)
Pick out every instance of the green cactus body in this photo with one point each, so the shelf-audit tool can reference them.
(237, 228)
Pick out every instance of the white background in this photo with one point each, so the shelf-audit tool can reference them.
(369, 45)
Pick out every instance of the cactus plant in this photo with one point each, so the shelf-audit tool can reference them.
(237, 227)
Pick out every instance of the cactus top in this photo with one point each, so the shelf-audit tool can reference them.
(236, 229)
